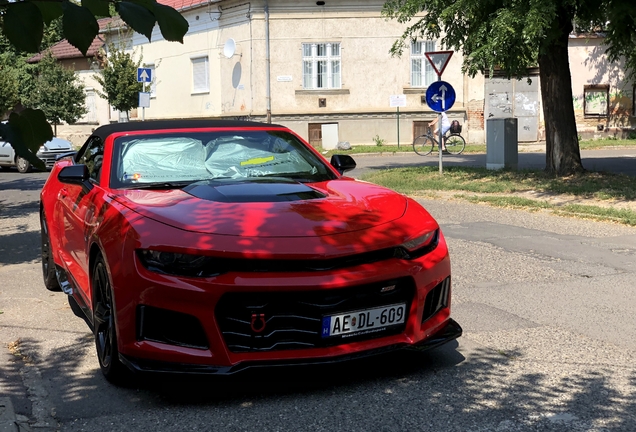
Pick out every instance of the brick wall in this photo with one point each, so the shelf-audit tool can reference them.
(475, 114)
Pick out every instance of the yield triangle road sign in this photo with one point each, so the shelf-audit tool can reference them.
(439, 60)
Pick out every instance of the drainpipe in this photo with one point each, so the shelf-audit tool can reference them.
(268, 95)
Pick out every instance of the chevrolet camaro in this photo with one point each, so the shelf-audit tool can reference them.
(212, 246)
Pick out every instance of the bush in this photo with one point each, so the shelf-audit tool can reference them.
(379, 141)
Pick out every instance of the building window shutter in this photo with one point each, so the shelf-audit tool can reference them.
(200, 75)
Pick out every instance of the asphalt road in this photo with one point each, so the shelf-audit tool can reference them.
(547, 305)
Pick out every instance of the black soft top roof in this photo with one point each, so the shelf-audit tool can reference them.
(154, 125)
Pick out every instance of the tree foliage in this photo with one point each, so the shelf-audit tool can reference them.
(8, 84)
(16, 75)
(24, 20)
(512, 35)
(57, 91)
(118, 79)
(23, 25)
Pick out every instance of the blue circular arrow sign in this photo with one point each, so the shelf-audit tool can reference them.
(440, 96)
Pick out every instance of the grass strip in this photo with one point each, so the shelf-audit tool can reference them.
(472, 148)
(415, 180)
(492, 186)
(622, 216)
(508, 202)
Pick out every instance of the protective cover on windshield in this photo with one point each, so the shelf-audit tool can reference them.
(159, 159)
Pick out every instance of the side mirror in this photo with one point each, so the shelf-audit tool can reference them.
(342, 163)
(74, 174)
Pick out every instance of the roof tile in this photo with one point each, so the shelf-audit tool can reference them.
(64, 50)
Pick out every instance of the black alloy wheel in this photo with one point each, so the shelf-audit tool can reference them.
(48, 264)
(24, 166)
(104, 324)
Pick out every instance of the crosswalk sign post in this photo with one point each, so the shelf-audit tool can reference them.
(439, 61)
(144, 75)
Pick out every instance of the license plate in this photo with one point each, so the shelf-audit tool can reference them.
(363, 322)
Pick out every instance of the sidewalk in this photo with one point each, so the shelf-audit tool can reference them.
(7, 416)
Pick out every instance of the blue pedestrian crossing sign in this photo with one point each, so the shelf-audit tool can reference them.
(144, 75)
(440, 96)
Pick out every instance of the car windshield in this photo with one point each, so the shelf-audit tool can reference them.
(177, 159)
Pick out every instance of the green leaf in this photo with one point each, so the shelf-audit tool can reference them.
(80, 26)
(99, 8)
(172, 24)
(138, 17)
(26, 132)
(49, 10)
(23, 26)
(33, 127)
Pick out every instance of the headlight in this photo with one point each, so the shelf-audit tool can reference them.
(179, 264)
(420, 245)
(42, 149)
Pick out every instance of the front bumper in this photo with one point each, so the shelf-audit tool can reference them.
(50, 157)
(449, 332)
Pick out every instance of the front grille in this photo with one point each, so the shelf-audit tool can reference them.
(293, 320)
(50, 157)
(436, 299)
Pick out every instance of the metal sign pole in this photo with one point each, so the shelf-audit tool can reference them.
(439, 130)
(439, 61)
(398, 125)
(143, 109)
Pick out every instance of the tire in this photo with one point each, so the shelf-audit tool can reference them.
(104, 325)
(48, 264)
(455, 144)
(23, 165)
(423, 145)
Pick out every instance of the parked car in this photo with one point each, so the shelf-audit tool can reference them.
(47, 152)
(215, 246)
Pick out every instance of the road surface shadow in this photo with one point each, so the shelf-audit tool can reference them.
(19, 247)
(23, 184)
(436, 390)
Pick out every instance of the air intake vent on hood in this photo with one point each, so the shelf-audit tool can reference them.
(248, 191)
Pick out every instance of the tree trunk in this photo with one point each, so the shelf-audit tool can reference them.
(563, 156)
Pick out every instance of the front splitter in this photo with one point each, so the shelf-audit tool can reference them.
(451, 331)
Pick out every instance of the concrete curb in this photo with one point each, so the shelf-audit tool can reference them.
(7, 416)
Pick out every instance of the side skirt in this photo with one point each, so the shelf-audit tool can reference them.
(76, 300)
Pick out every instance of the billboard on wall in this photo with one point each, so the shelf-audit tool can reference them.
(507, 98)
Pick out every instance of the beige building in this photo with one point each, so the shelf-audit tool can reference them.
(325, 67)
(604, 100)
(302, 65)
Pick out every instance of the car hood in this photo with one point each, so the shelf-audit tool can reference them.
(270, 209)
(57, 144)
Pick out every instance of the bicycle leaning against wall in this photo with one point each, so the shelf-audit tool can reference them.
(427, 143)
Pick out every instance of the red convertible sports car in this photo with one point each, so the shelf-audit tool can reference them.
(214, 246)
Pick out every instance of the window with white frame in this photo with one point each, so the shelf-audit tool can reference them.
(422, 72)
(200, 75)
(321, 66)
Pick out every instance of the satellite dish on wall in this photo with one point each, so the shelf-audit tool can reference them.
(229, 48)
